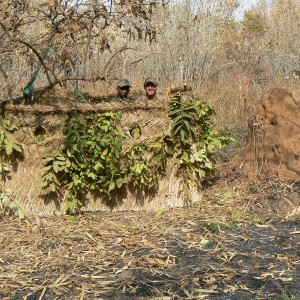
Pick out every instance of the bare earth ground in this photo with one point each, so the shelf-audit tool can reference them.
(241, 242)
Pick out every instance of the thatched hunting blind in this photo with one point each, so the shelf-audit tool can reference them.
(40, 131)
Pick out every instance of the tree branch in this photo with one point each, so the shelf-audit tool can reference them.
(9, 92)
(41, 61)
(132, 63)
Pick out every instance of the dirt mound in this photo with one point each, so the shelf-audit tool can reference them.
(272, 147)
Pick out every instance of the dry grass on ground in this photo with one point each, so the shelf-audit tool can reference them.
(240, 242)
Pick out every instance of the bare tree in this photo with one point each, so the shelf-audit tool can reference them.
(58, 37)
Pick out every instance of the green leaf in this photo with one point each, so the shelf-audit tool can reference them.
(5, 167)
(136, 133)
(228, 194)
(60, 157)
(204, 242)
(48, 159)
(52, 187)
(158, 144)
(117, 152)
(69, 154)
(170, 150)
(176, 129)
(188, 116)
(98, 166)
(111, 186)
(72, 219)
(174, 112)
(105, 152)
(18, 148)
(44, 184)
(13, 205)
(40, 137)
(55, 167)
(183, 135)
(5, 199)
(21, 214)
(60, 163)
(177, 120)
(68, 163)
(120, 182)
(159, 212)
(202, 173)
(8, 147)
(92, 175)
(47, 168)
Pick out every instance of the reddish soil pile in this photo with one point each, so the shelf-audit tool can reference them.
(272, 148)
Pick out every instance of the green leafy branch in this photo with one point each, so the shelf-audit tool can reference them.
(92, 158)
(10, 152)
(194, 138)
(88, 161)
(9, 204)
(9, 148)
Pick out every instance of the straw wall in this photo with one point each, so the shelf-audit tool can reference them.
(26, 179)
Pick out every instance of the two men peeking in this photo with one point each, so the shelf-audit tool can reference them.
(150, 87)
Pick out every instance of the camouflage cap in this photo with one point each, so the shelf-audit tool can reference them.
(123, 83)
(150, 80)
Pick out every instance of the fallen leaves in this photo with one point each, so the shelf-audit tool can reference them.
(174, 254)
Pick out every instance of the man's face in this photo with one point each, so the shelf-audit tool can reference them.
(123, 91)
(150, 89)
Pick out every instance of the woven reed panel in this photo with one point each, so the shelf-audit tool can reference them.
(26, 181)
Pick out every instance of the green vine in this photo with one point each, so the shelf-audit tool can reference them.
(93, 159)
(9, 148)
(10, 152)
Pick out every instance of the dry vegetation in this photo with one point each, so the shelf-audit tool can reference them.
(88, 45)
(241, 241)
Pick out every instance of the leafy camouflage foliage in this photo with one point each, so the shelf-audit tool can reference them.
(194, 137)
(10, 152)
(93, 159)
(9, 148)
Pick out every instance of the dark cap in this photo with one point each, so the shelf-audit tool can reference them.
(123, 83)
(150, 80)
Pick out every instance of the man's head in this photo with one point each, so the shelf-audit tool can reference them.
(123, 88)
(150, 86)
